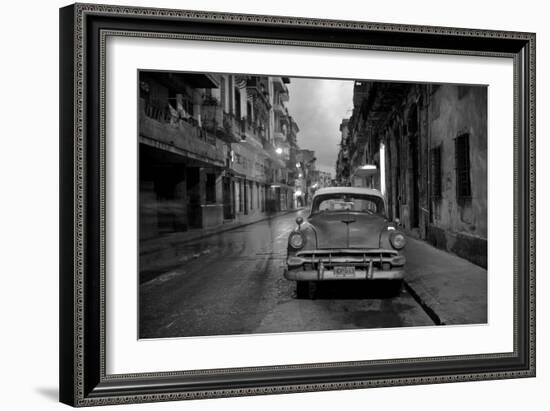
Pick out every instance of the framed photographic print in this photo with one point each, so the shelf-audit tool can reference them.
(261, 204)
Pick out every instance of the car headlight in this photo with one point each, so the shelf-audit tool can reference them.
(398, 240)
(296, 240)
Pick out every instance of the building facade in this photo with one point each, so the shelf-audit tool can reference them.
(307, 176)
(343, 159)
(209, 150)
(324, 179)
(425, 147)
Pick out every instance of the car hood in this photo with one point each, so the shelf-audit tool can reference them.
(347, 230)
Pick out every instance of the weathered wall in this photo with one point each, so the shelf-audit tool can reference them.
(428, 117)
(452, 116)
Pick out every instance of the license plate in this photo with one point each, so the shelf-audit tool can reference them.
(344, 271)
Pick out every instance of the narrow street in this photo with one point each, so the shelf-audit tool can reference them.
(233, 283)
(223, 157)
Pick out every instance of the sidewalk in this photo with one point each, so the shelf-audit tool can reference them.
(449, 286)
(171, 249)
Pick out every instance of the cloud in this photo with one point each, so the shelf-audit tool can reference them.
(318, 106)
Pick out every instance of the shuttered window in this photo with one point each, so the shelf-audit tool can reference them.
(462, 164)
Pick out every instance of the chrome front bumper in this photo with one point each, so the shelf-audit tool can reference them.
(319, 265)
(317, 275)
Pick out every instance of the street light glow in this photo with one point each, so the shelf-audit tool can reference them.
(368, 167)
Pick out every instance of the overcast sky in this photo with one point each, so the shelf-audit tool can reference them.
(318, 107)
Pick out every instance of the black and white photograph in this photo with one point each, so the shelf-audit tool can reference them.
(279, 204)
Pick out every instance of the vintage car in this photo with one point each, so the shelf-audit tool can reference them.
(346, 236)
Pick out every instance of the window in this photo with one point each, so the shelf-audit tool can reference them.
(436, 171)
(348, 203)
(210, 188)
(462, 164)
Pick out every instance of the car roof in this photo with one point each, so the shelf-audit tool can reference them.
(348, 190)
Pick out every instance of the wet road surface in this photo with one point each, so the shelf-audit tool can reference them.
(234, 284)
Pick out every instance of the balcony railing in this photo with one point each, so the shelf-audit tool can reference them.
(255, 132)
(267, 145)
(278, 107)
(223, 125)
(156, 110)
(234, 127)
(189, 127)
(211, 117)
(279, 136)
(257, 88)
(190, 139)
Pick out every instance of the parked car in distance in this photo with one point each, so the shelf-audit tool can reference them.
(347, 236)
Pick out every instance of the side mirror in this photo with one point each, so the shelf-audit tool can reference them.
(299, 221)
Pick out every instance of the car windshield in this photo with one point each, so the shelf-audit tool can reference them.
(343, 202)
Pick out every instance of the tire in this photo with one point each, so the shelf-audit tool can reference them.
(302, 289)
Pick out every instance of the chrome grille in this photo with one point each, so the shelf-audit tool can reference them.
(356, 258)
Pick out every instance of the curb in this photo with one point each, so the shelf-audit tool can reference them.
(430, 312)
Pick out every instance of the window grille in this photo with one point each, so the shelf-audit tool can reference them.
(462, 164)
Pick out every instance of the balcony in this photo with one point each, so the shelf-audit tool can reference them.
(279, 108)
(255, 133)
(211, 117)
(268, 146)
(223, 125)
(256, 88)
(185, 138)
(279, 136)
(235, 128)
(279, 84)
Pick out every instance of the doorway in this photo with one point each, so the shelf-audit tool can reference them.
(226, 196)
(194, 198)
